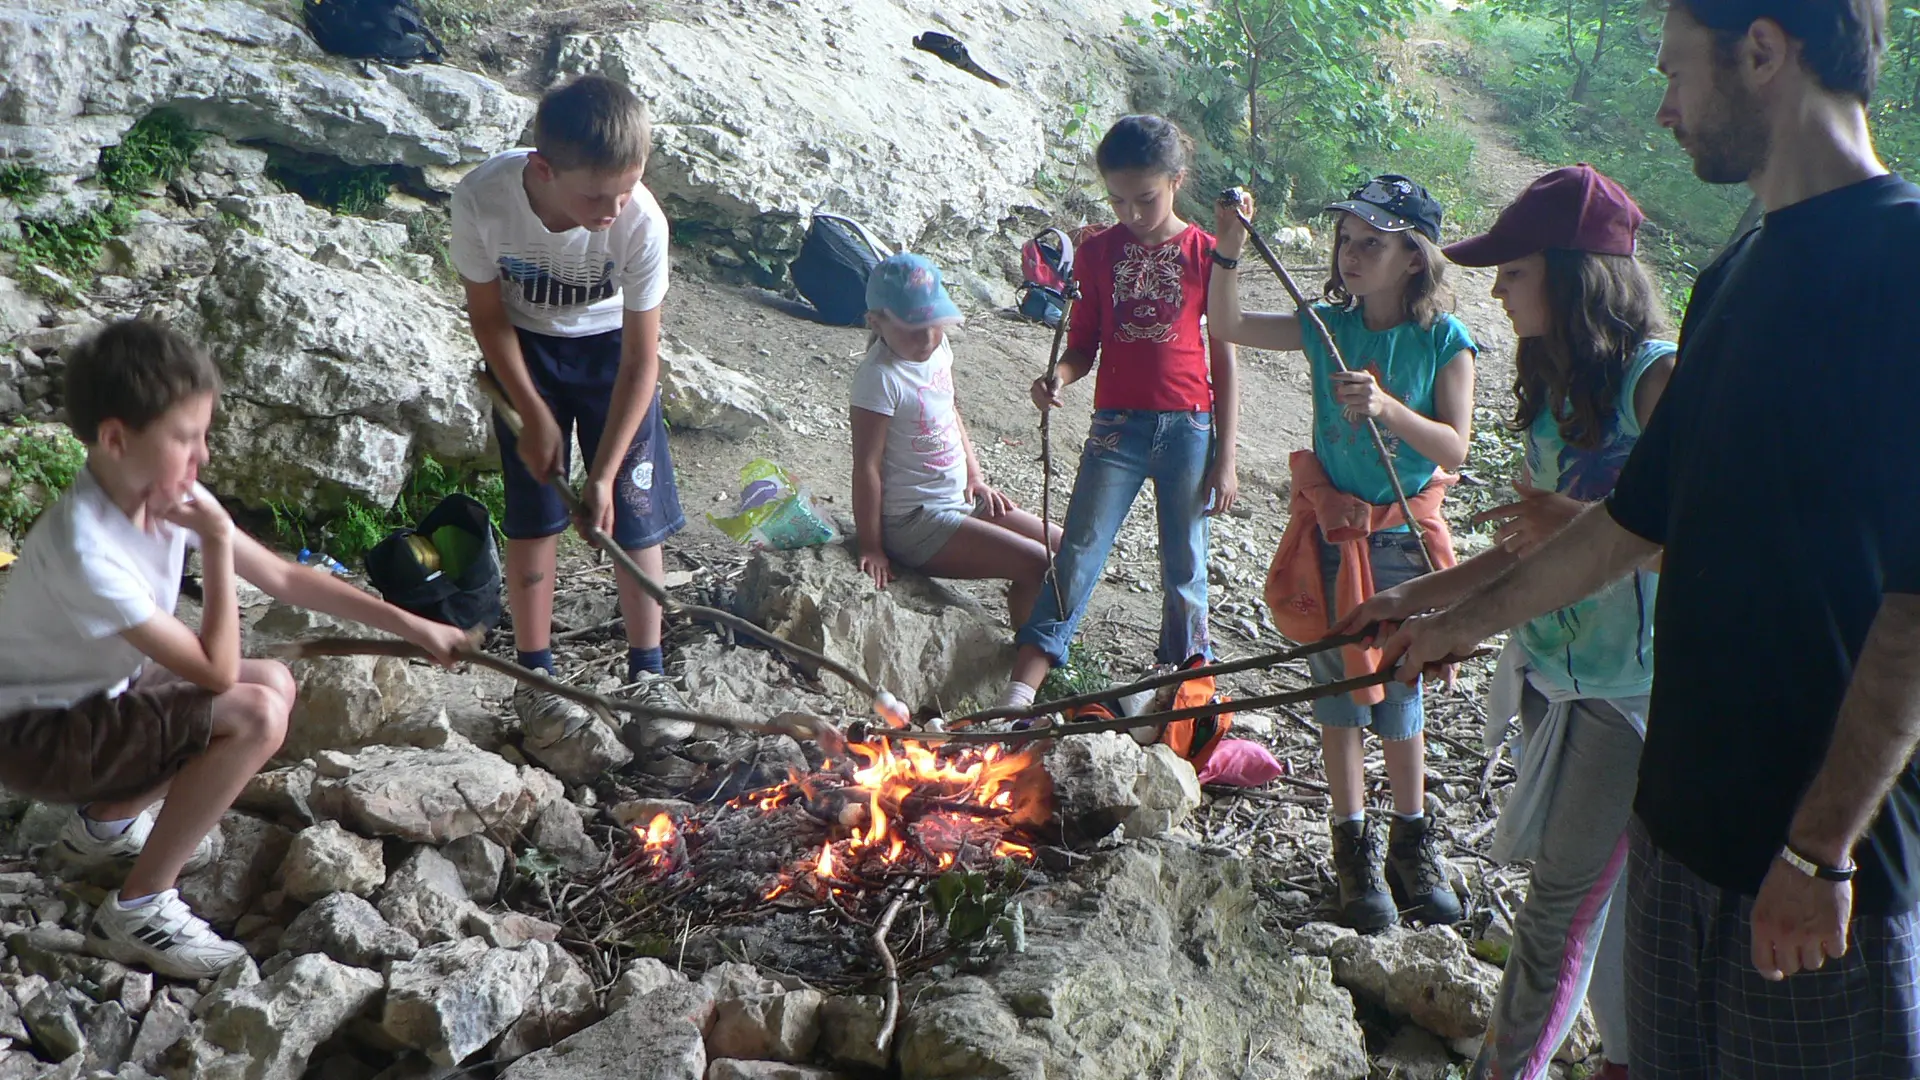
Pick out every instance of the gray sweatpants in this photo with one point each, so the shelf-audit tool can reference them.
(1569, 936)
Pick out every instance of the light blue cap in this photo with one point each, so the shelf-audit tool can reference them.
(908, 287)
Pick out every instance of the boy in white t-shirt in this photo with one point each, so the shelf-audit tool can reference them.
(109, 702)
(563, 253)
(919, 497)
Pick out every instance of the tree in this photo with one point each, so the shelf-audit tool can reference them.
(1588, 31)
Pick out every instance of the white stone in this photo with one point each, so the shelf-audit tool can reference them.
(452, 999)
(278, 1022)
(698, 394)
(1168, 791)
(327, 859)
(429, 796)
(348, 929)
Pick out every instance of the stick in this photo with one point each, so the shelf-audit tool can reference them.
(813, 728)
(892, 1016)
(508, 415)
(1069, 293)
(1155, 682)
(1313, 318)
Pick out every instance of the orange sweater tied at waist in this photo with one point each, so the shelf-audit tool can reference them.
(1295, 592)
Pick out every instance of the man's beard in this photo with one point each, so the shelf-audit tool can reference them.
(1733, 141)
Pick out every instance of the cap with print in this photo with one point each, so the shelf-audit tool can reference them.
(1577, 208)
(908, 287)
(1393, 203)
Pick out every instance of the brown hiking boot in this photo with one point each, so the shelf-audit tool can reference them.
(1418, 873)
(1359, 854)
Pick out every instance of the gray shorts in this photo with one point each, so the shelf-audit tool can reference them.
(919, 534)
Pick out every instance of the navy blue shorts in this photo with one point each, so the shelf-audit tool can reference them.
(575, 378)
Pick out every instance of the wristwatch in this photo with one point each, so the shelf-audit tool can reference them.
(1223, 260)
(1813, 869)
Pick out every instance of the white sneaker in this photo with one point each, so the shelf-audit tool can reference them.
(546, 717)
(658, 692)
(78, 844)
(161, 935)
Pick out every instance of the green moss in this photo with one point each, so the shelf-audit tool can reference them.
(69, 246)
(153, 151)
(343, 189)
(22, 182)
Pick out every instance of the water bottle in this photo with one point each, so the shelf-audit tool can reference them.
(320, 560)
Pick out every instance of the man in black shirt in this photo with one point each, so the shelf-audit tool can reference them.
(1775, 865)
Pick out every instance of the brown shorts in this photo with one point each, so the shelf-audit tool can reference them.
(104, 749)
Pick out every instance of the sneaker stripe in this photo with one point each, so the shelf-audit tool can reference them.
(153, 937)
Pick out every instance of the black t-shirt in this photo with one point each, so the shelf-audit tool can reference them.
(1781, 473)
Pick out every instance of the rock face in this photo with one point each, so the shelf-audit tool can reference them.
(1150, 962)
(923, 642)
(1427, 976)
(428, 796)
(839, 111)
(278, 1021)
(81, 73)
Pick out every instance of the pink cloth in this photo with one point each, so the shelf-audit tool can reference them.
(1239, 763)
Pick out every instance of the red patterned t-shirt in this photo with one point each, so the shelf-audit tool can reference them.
(1139, 316)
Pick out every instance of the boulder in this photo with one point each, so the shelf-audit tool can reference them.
(53, 1024)
(156, 247)
(277, 1022)
(1096, 783)
(701, 395)
(850, 1031)
(481, 864)
(916, 638)
(729, 1069)
(348, 929)
(665, 1028)
(1151, 960)
(428, 796)
(558, 831)
(780, 1026)
(641, 977)
(167, 1019)
(328, 859)
(337, 379)
(280, 794)
(425, 899)
(452, 999)
(345, 702)
(254, 850)
(1427, 976)
(1167, 791)
(564, 1003)
(80, 74)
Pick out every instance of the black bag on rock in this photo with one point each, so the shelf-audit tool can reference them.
(835, 258)
(389, 30)
(447, 569)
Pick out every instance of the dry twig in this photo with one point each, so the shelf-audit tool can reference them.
(892, 1016)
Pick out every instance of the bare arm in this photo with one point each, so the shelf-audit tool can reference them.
(499, 346)
(315, 590)
(211, 658)
(1262, 330)
(869, 449)
(1223, 477)
(1653, 383)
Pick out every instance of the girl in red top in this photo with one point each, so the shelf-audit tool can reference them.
(1165, 406)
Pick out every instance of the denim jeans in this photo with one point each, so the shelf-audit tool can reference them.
(1124, 450)
(1396, 558)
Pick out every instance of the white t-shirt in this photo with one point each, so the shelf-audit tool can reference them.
(925, 464)
(85, 574)
(568, 284)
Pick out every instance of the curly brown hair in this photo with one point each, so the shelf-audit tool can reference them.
(1603, 308)
(1427, 296)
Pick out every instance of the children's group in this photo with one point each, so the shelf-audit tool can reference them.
(1693, 838)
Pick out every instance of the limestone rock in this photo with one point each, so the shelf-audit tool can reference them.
(452, 999)
(167, 1019)
(1096, 783)
(641, 977)
(278, 1022)
(580, 756)
(916, 638)
(328, 859)
(52, 1023)
(1167, 790)
(665, 1028)
(429, 796)
(482, 865)
(424, 898)
(509, 929)
(20, 310)
(280, 794)
(155, 247)
(82, 73)
(729, 1069)
(701, 395)
(563, 1004)
(110, 1033)
(781, 1026)
(850, 1029)
(1427, 976)
(348, 929)
(228, 887)
(345, 702)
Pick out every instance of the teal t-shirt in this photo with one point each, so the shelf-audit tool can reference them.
(1601, 646)
(1405, 360)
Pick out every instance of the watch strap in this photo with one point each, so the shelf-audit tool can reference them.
(1223, 260)
(1813, 869)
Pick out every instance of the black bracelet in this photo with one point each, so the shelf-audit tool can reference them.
(1224, 261)
(1813, 869)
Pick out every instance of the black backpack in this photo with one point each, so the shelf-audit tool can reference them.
(390, 30)
(446, 569)
(831, 272)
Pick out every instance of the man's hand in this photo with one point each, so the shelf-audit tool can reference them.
(200, 511)
(981, 493)
(1424, 641)
(873, 562)
(1223, 487)
(1387, 607)
(442, 641)
(539, 443)
(1799, 922)
(1533, 520)
(596, 508)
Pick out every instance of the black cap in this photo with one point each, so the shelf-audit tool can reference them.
(1393, 203)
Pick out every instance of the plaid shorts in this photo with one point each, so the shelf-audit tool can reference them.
(1699, 1011)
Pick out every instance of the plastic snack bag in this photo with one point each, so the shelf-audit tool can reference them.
(775, 512)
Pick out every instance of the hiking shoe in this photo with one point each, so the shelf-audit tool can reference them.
(646, 733)
(1418, 873)
(161, 935)
(1612, 1070)
(79, 847)
(1359, 856)
(546, 717)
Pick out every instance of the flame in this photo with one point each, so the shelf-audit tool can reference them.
(659, 842)
(823, 866)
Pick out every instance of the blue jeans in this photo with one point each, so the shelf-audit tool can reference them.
(1396, 558)
(1124, 450)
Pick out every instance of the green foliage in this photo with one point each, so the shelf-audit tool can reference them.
(427, 235)
(153, 151)
(1083, 673)
(1290, 93)
(1895, 113)
(343, 189)
(1493, 952)
(973, 905)
(22, 182)
(40, 464)
(1494, 459)
(69, 246)
(353, 531)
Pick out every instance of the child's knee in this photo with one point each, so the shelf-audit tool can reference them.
(259, 713)
(278, 677)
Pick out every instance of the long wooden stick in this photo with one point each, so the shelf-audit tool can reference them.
(1069, 293)
(511, 417)
(1312, 317)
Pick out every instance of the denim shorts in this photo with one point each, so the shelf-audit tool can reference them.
(919, 534)
(1396, 558)
(575, 377)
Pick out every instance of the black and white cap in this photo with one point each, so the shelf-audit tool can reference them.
(1393, 203)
